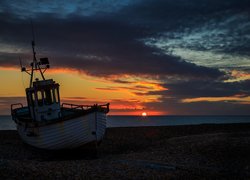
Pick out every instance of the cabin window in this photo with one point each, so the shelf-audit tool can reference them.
(33, 98)
(40, 98)
(56, 98)
(48, 96)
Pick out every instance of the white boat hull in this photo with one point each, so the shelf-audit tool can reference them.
(66, 134)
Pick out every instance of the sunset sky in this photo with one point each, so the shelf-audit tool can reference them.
(163, 57)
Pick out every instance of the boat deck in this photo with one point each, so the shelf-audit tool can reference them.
(22, 115)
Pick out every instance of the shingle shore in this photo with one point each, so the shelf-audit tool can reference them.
(175, 152)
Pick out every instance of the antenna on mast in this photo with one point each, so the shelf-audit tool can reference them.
(33, 44)
(35, 66)
(33, 34)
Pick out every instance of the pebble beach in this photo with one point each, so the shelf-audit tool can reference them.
(220, 151)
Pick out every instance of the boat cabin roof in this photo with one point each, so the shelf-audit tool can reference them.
(43, 84)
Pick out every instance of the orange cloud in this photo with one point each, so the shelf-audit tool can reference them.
(10, 68)
(239, 99)
(238, 76)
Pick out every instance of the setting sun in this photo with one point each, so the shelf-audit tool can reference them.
(144, 114)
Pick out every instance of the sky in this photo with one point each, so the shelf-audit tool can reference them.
(163, 57)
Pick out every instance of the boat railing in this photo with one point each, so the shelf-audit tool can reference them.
(84, 107)
(16, 106)
(75, 106)
(104, 106)
(19, 110)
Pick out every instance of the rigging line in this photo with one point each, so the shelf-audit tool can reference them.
(23, 82)
(33, 31)
(21, 65)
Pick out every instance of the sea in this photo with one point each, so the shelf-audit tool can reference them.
(6, 122)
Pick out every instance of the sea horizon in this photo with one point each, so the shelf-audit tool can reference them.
(6, 122)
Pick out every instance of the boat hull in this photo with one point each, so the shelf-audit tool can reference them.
(66, 134)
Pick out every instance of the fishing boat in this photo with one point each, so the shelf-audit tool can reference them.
(46, 123)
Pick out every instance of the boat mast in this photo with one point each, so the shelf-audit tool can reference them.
(35, 65)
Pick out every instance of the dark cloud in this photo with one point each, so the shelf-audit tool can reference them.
(172, 106)
(173, 15)
(88, 44)
(208, 89)
(203, 88)
(62, 9)
(107, 89)
(171, 99)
